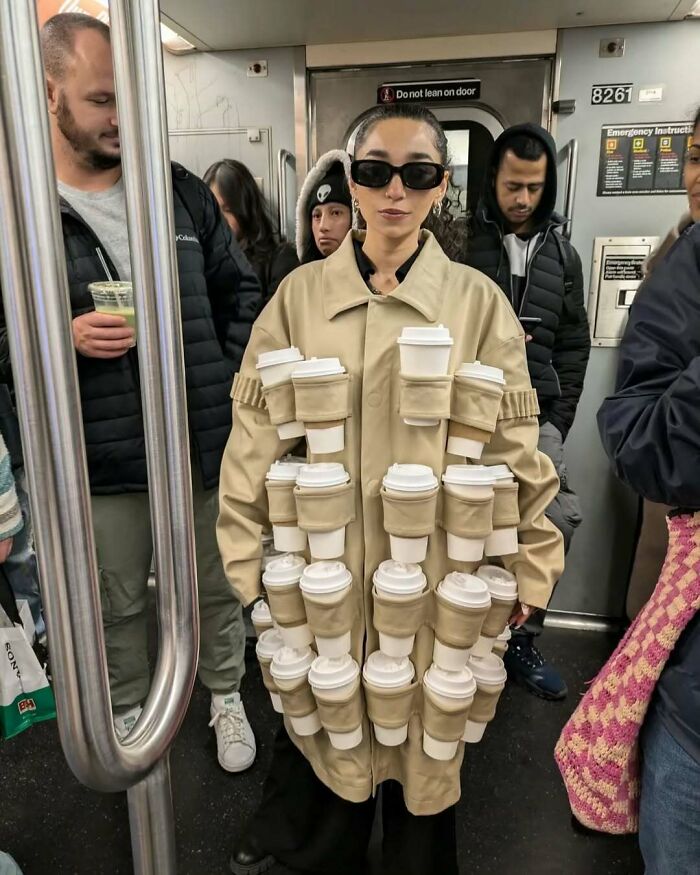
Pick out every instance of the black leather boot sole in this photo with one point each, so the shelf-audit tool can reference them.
(250, 859)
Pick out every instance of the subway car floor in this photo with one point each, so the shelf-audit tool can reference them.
(513, 817)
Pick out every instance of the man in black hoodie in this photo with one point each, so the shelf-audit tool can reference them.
(516, 240)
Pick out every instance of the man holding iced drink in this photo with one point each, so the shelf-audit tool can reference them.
(220, 298)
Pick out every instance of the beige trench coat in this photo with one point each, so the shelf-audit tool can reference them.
(325, 309)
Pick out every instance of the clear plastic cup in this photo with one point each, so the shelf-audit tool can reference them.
(115, 298)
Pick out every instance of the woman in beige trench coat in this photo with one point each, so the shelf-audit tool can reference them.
(318, 801)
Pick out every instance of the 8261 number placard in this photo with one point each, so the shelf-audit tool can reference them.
(608, 94)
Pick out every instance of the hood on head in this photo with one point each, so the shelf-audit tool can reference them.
(489, 204)
(323, 183)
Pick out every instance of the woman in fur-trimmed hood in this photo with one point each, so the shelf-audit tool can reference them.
(324, 208)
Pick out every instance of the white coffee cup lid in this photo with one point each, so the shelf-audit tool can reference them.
(410, 478)
(500, 472)
(279, 357)
(322, 474)
(488, 669)
(284, 471)
(452, 684)
(331, 672)
(261, 611)
(269, 643)
(426, 336)
(505, 635)
(314, 367)
(284, 570)
(468, 475)
(465, 589)
(397, 578)
(388, 671)
(500, 582)
(477, 371)
(289, 663)
(325, 577)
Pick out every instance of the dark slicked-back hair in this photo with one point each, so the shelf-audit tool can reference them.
(58, 39)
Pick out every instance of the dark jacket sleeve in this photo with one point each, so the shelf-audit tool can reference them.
(572, 347)
(232, 285)
(650, 427)
(284, 261)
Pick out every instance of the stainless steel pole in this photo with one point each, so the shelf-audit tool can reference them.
(38, 314)
(570, 190)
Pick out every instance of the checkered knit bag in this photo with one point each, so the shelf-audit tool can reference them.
(597, 752)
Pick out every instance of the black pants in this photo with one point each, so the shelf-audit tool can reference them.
(311, 830)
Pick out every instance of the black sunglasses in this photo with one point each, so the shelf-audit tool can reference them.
(420, 175)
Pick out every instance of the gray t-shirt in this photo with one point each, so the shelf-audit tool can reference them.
(105, 213)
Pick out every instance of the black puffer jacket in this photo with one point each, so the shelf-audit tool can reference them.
(220, 299)
(558, 353)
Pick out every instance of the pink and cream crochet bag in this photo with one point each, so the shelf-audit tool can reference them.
(597, 752)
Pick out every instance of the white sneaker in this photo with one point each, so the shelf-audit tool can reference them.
(235, 741)
(125, 722)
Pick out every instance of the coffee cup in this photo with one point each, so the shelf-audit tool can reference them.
(469, 482)
(269, 642)
(503, 588)
(324, 475)
(388, 688)
(490, 677)
(335, 682)
(280, 482)
(398, 583)
(425, 352)
(261, 617)
(322, 437)
(503, 540)
(462, 603)
(115, 298)
(447, 698)
(276, 367)
(487, 376)
(281, 582)
(327, 584)
(411, 483)
(290, 670)
(501, 643)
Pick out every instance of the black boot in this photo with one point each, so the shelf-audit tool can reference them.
(248, 858)
(527, 667)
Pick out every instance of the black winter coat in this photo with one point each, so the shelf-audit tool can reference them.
(650, 427)
(219, 298)
(558, 353)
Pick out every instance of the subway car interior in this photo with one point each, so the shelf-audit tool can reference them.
(169, 780)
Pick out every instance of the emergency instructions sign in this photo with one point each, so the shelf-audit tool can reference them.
(442, 91)
(645, 158)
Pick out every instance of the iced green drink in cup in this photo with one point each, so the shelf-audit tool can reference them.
(114, 299)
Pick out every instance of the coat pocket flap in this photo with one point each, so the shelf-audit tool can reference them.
(457, 625)
(506, 511)
(286, 604)
(324, 510)
(443, 724)
(476, 403)
(401, 617)
(341, 716)
(322, 399)
(281, 503)
(466, 517)
(410, 515)
(331, 619)
(279, 400)
(390, 708)
(425, 397)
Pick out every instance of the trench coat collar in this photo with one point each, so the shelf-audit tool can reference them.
(422, 289)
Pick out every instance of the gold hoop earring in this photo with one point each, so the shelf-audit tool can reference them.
(356, 205)
(437, 208)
